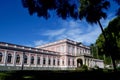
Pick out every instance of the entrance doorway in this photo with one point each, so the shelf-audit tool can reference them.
(79, 62)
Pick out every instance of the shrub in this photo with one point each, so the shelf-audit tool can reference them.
(82, 68)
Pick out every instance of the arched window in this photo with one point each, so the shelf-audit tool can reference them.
(25, 59)
(9, 58)
(17, 58)
(44, 61)
(38, 60)
(32, 59)
(49, 62)
(1, 57)
(53, 61)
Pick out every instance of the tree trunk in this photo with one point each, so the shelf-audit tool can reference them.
(108, 50)
(102, 31)
(114, 64)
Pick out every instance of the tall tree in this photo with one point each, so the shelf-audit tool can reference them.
(93, 11)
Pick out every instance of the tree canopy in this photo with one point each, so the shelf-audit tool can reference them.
(63, 8)
(93, 11)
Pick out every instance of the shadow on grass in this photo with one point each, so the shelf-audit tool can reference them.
(62, 75)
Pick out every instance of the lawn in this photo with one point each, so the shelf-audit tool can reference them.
(60, 75)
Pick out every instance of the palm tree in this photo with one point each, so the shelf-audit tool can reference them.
(92, 11)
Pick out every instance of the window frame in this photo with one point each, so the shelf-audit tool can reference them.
(17, 58)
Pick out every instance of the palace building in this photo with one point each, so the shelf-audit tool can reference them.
(59, 55)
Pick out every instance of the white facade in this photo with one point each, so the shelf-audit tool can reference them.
(62, 54)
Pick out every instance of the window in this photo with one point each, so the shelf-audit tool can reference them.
(63, 62)
(9, 58)
(77, 50)
(32, 59)
(70, 49)
(68, 61)
(85, 50)
(58, 63)
(81, 51)
(44, 61)
(53, 61)
(1, 57)
(58, 48)
(38, 60)
(73, 49)
(17, 58)
(62, 48)
(25, 59)
(49, 62)
(73, 62)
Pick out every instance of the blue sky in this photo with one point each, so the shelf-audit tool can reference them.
(18, 27)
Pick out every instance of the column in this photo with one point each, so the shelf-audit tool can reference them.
(75, 51)
(66, 48)
(56, 61)
(91, 63)
(65, 61)
(87, 62)
(52, 61)
(29, 59)
(70, 62)
(35, 60)
(5, 58)
(41, 60)
(60, 61)
(14, 58)
(46, 61)
(75, 62)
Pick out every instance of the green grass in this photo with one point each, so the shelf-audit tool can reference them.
(3, 75)
(97, 74)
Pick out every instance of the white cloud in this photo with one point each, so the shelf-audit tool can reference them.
(90, 37)
(39, 42)
(29, 45)
(79, 31)
(54, 32)
(75, 30)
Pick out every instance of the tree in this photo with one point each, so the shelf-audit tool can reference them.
(63, 8)
(93, 11)
(94, 50)
(113, 35)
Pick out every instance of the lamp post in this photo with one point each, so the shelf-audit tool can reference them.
(23, 61)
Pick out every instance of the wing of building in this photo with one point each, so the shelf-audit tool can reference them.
(59, 55)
